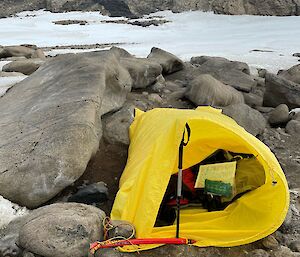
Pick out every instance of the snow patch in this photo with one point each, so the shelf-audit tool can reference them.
(7, 82)
(196, 33)
(9, 211)
(2, 63)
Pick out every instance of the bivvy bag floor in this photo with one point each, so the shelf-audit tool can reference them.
(259, 182)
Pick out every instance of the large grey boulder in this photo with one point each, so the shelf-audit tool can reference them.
(26, 67)
(251, 120)
(281, 91)
(142, 71)
(235, 74)
(169, 62)
(292, 74)
(206, 90)
(51, 122)
(64, 229)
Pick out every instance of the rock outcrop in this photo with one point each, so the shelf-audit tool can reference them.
(132, 8)
(114, 8)
(257, 7)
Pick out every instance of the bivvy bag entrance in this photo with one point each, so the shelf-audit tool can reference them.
(253, 193)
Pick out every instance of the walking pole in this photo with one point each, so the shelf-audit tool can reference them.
(179, 177)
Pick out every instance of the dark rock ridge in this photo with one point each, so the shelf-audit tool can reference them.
(132, 8)
(114, 8)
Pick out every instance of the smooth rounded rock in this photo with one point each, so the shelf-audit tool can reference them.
(206, 90)
(64, 229)
(280, 115)
(293, 127)
(270, 243)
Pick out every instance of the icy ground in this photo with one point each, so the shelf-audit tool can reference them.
(188, 34)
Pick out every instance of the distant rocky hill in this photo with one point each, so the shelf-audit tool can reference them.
(132, 8)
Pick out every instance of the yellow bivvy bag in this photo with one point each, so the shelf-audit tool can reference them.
(155, 137)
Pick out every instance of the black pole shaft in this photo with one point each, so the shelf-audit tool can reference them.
(179, 186)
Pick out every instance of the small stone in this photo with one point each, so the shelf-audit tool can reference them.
(145, 93)
(280, 115)
(155, 98)
(262, 73)
(161, 79)
(284, 252)
(259, 253)
(28, 254)
(295, 246)
(270, 242)
(159, 85)
(280, 237)
(121, 228)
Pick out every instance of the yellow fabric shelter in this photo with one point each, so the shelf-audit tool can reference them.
(153, 157)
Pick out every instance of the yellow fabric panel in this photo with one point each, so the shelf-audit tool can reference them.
(249, 175)
(153, 157)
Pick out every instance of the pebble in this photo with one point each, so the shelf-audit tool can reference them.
(270, 242)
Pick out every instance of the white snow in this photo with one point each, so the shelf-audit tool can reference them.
(7, 82)
(2, 63)
(188, 34)
(10, 211)
(55, 52)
